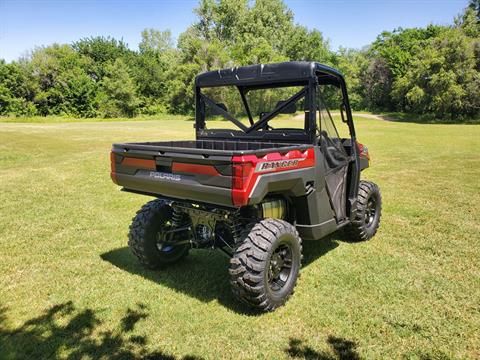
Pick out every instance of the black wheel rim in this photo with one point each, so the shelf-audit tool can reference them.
(280, 267)
(370, 211)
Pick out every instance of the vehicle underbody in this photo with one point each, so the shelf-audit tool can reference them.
(204, 226)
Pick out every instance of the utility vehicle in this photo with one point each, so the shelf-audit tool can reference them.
(285, 171)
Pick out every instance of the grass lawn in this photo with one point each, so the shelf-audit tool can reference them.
(69, 286)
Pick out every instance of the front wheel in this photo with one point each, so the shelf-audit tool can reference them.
(369, 211)
(150, 232)
(266, 264)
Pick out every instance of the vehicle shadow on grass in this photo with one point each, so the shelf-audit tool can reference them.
(341, 348)
(204, 274)
(65, 332)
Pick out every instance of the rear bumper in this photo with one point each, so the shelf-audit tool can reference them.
(184, 187)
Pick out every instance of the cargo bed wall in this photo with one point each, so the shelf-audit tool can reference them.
(212, 147)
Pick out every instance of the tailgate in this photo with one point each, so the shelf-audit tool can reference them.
(195, 177)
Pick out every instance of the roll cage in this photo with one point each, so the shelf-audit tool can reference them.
(306, 74)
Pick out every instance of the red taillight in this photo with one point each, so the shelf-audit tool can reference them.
(237, 180)
(363, 151)
(241, 173)
(113, 174)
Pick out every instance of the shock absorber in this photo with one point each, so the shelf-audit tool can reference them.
(236, 227)
(180, 222)
(177, 217)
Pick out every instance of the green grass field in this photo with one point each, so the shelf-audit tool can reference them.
(69, 287)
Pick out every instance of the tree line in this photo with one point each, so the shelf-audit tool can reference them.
(433, 70)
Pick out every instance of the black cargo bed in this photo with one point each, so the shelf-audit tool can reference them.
(213, 147)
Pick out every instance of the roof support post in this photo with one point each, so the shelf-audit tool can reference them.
(312, 110)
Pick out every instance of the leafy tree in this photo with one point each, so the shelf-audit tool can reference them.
(180, 90)
(62, 86)
(155, 40)
(353, 63)
(248, 34)
(377, 82)
(270, 20)
(469, 21)
(309, 45)
(220, 20)
(237, 32)
(117, 96)
(78, 92)
(15, 93)
(400, 46)
(102, 51)
(149, 69)
(474, 5)
(442, 80)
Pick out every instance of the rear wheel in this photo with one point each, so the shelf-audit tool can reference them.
(369, 211)
(150, 238)
(266, 264)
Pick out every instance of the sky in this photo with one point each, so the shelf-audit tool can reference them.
(25, 24)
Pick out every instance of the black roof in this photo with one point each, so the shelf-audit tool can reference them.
(276, 73)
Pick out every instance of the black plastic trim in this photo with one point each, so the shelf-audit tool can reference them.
(185, 189)
(317, 231)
